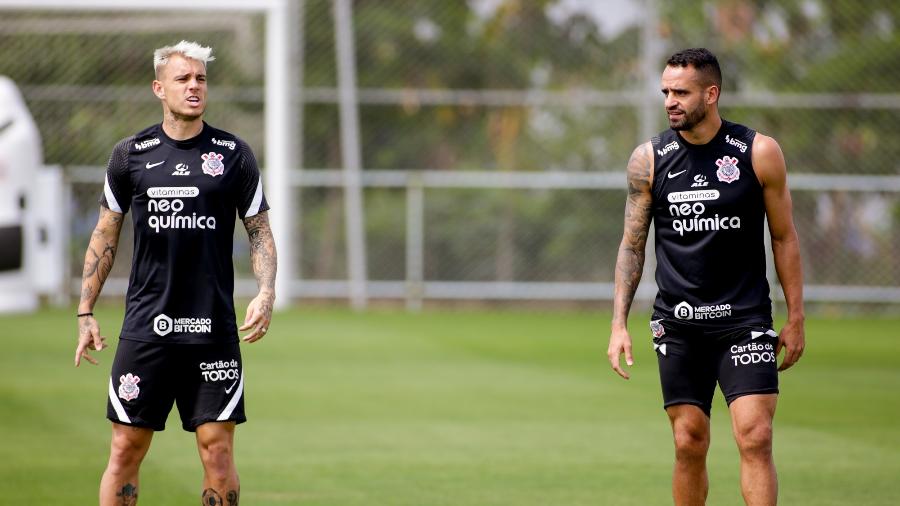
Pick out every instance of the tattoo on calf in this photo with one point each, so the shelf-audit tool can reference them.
(212, 498)
(128, 495)
(232, 498)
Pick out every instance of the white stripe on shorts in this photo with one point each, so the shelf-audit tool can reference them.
(120, 410)
(238, 392)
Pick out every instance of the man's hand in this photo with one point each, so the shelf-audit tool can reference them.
(619, 342)
(89, 338)
(792, 338)
(259, 316)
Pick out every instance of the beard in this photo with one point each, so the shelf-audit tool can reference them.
(690, 119)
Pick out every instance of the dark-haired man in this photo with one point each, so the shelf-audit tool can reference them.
(710, 185)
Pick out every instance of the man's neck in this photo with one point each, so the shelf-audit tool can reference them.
(704, 131)
(181, 129)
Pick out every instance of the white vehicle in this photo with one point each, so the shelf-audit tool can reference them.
(31, 209)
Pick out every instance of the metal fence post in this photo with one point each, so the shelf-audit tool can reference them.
(415, 241)
(351, 152)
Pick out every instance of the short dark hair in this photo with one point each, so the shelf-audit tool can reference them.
(701, 59)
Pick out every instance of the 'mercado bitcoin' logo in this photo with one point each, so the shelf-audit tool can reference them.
(684, 311)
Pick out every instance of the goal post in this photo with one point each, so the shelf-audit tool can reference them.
(278, 108)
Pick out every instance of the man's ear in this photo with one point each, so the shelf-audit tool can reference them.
(158, 89)
(712, 94)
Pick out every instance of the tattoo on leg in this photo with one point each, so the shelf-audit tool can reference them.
(232, 497)
(212, 498)
(128, 494)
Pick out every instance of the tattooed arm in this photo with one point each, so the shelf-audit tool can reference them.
(264, 262)
(630, 260)
(98, 261)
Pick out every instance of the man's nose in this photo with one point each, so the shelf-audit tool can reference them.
(670, 101)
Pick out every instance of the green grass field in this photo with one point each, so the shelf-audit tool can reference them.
(452, 408)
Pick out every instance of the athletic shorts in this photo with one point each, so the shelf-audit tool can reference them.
(206, 381)
(692, 359)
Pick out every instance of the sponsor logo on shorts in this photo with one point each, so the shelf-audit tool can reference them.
(149, 143)
(221, 370)
(163, 325)
(228, 144)
(657, 328)
(752, 353)
(684, 311)
(128, 388)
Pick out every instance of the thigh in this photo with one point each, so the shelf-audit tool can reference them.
(687, 369)
(140, 387)
(210, 384)
(751, 412)
(747, 364)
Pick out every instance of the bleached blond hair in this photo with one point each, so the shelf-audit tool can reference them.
(187, 49)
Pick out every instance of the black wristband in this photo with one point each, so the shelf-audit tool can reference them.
(85, 314)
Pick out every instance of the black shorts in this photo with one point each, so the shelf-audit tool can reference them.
(693, 358)
(206, 381)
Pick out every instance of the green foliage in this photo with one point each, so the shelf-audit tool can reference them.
(787, 46)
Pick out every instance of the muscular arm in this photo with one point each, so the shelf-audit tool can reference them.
(98, 261)
(264, 261)
(630, 259)
(768, 162)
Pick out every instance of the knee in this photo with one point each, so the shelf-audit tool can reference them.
(218, 459)
(691, 443)
(755, 440)
(126, 454)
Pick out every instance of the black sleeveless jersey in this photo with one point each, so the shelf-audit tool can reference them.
(184, 196)
(708, 214)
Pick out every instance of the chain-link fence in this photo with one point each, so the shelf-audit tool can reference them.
(508, 87)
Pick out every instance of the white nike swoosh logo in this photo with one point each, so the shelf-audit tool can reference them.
(151, 165)
(670, 175)
(228, 390)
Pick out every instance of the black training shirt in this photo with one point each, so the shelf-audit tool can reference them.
(184, 196)
(708, 214)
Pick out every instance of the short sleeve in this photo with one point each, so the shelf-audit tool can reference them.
(117, 188)
(249, 189)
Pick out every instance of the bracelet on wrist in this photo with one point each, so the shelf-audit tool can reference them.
(85, 314)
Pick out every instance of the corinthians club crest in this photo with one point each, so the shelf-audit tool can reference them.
(212, 164)
(657, 328)
(728, 170)
(128, 388)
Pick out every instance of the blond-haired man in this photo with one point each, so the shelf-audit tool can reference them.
(183, 181)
